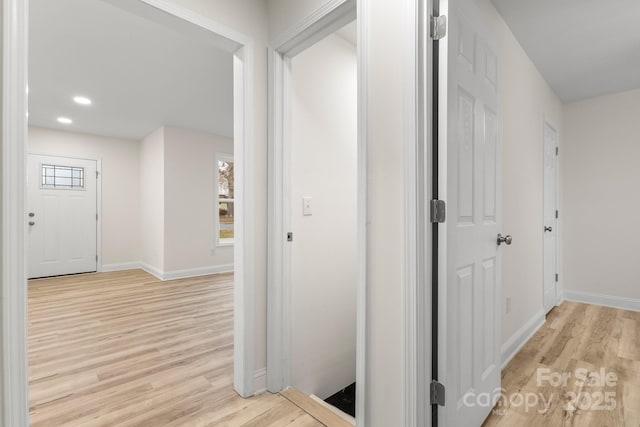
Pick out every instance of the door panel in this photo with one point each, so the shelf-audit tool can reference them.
(472, 331)
(63, 226)
(550, 220)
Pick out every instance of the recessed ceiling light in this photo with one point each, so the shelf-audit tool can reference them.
(82, 100)
(65, 120)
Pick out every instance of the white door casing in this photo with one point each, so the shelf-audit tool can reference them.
(63, 222)
(550, 221)
(471, 332)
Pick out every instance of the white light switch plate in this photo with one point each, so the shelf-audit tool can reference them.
(306, 206)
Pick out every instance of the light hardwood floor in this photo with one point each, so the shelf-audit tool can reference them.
(124, 349)
(580, 340)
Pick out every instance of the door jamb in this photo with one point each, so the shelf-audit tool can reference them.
(417, 303)
(324, 21)
(15, 390)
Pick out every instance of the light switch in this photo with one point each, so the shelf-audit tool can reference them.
(306, 206)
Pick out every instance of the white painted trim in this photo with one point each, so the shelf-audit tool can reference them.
(169, 275)
(417, 257)
(521, 337)
(15, 390)
(324, 21)
(622, 303)
(123, 266)
(99, 212)
(154, 271)
(197, 272)
(331, 16)
(15, 401)
(260, 381)
(362, 24)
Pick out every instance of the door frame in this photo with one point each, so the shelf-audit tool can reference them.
(15, 387)
(324, 21)
(551, 123)
(418, 147)
(98, 161)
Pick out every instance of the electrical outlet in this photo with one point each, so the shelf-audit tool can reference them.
(508, 305)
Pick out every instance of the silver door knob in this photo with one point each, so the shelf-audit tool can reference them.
(504, 239)
(549, 229)
(32, 223)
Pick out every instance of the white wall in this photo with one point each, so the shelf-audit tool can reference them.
(120, 189)
(525, 99)
(152, 204)
(190, 180)
(600, 160)
(324, 162)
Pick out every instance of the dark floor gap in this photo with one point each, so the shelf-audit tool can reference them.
(345, 400)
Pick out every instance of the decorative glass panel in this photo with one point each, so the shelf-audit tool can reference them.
(62, 177)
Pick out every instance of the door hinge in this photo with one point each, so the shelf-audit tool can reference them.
(289, 237)
(557, 277)
(557, 150)
(96, 217)
(437, 393)
(438, 211)
(97, 174)
(438, 27)
(96, 258)
(557, 214)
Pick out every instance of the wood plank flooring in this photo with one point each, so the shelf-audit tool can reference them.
(583, 341)
(124, 349)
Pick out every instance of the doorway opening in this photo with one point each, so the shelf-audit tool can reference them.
(176, 21)
(317, 212)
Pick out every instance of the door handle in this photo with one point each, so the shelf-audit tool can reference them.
(549, 229)
(32, 223)
(504, 239)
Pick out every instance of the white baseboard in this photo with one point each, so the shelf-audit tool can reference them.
(169, 275)
(260, 380)
(623, 303)
(107, 268)
(195, 272)
(152, 270)
(520, 338)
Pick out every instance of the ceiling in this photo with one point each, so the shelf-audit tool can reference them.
(583, 48)
(139, 73)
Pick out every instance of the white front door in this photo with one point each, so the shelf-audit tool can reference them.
(472, 334)
(550, 220)
(62, 216)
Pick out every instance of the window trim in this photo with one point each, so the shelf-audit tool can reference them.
(219, 242)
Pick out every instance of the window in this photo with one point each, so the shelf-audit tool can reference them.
(62, 177)
(226, 202)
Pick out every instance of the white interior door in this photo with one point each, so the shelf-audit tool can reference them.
(62, 215)
(473, 361)
(550, 219)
